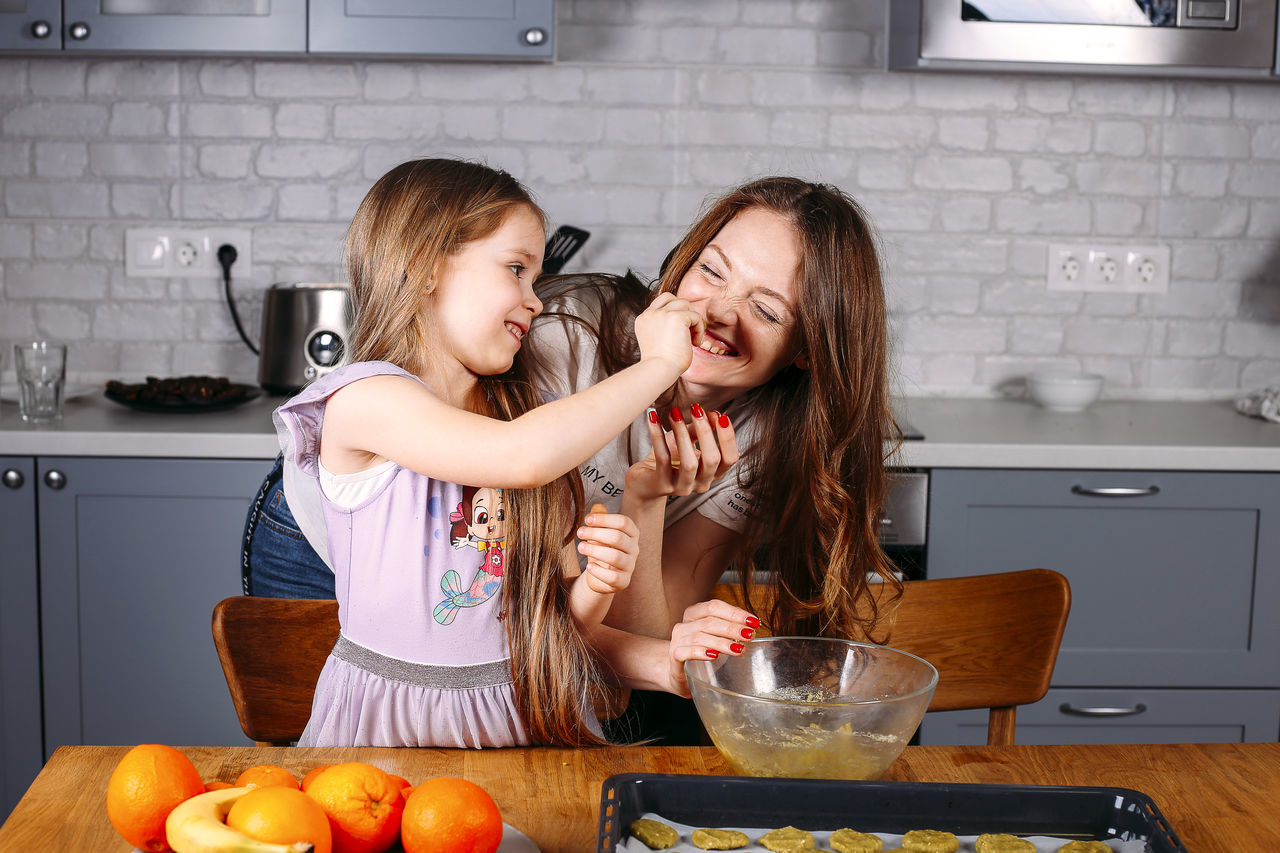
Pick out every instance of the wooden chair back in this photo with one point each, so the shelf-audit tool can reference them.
(272, 651)
(993, 638)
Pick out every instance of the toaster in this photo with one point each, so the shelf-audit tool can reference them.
(304, 334)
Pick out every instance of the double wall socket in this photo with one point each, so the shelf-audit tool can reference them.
(1100, 268)
(183, 252)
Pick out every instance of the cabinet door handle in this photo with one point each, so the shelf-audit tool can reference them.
(78, 31)
(1068, 708)
(41, 29)
(13, 478)
(1115, 491)
(55, 479)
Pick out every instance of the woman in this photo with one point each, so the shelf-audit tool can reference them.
(786, 274)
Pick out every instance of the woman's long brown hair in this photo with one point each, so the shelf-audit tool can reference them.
(411, 220)
(816, 466)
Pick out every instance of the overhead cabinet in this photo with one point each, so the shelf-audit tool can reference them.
(157, 26)
(471, 29)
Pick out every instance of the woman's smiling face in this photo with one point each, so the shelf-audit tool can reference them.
(744, 284)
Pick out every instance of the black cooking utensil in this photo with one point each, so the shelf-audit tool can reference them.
(562, 246)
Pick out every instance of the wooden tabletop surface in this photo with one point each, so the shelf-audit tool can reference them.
(1217, 797)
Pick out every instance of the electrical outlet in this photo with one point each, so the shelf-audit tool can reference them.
(1146, 269)
(183, 252)
(1066, 267)
(1108, 268)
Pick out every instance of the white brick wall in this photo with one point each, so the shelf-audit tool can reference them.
(652, 105)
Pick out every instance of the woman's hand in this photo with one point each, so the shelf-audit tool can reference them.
(709, 629)
(681, 463)
(669, 328)
(610, 542)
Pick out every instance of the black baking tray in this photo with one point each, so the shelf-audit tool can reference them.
(889, 807)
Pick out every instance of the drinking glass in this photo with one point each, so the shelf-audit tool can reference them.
(41, 367)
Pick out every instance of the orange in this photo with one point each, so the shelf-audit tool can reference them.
(281, 815)
(266, 776)
(150, 780)
(448, 815)
(401, 781)
(312, 774)
(363, 804)
(216, 785)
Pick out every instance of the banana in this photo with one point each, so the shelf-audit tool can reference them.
(198, 825)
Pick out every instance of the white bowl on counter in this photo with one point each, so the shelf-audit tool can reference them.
(1064, 390)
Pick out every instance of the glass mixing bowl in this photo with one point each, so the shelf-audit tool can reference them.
(809, 707)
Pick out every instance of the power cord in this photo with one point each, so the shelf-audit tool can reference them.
(226, 257)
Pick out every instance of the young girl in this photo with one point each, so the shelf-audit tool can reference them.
(441, 256)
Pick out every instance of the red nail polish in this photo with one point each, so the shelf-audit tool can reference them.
(753, 622)
(696, 410)
(736, 648)
(712, 654)
(748, 633)
(653, 416)
(724, 421)
(675, 414)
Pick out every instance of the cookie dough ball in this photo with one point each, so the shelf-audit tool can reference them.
(1001, 842)
(852, 841)
(788, 839)
(1085, 847)
(719, 839)
(930, 841)
(655, 834)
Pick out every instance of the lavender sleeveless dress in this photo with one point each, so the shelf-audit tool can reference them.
(422, 659)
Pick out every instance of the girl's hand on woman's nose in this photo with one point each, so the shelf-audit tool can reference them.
(669, 329)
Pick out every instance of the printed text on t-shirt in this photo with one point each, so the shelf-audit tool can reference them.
(592, 474)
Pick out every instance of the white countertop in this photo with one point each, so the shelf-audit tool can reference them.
(1170, 435)
(959, 433)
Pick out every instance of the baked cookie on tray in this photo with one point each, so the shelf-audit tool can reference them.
(930, 841)
(852, 841)
(1002, 842)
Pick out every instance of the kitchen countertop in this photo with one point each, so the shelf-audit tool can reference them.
(1218, 797)
(959, 433)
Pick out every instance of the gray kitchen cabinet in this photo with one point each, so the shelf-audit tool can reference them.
(31, 25)
(1173, 579)
(489, 29)
(472, 29)
(157, 26)
(1134, 715)
(20, 727)
(134, 554)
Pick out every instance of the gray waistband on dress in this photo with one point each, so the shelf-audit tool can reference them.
(432, 676)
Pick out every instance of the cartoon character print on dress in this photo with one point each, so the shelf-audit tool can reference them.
(480, 522)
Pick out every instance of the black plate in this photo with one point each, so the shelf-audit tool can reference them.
(251, 392)
(890, 807)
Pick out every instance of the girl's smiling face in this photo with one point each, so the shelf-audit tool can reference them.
(482, 296)
(744, 285)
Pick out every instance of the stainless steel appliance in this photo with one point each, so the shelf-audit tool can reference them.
(304, 334)
(1183, 38)
(903, 522)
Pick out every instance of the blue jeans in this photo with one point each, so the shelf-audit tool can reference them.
(276, 561)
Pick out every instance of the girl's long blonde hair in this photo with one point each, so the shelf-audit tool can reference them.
(414, 217)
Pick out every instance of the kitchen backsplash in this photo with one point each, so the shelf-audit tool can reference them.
(651, 106)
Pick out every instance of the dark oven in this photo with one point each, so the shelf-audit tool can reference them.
(903, 528)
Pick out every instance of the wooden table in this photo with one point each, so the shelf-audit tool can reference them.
(1217, 797)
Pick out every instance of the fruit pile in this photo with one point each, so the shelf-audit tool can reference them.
(158, 802)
